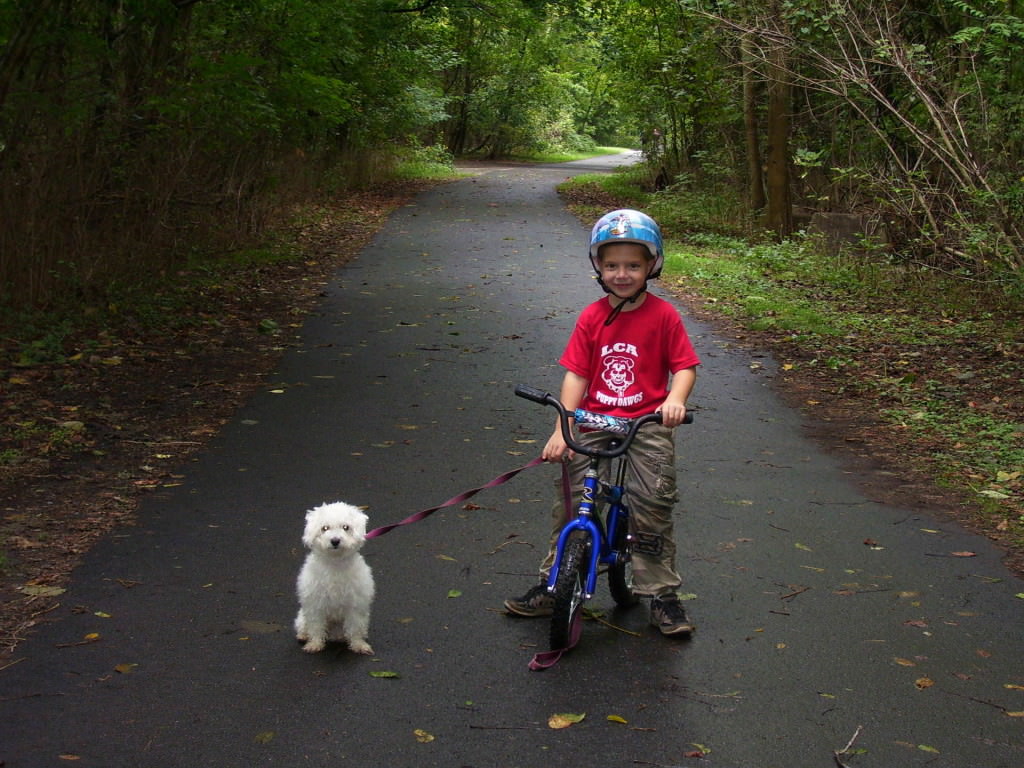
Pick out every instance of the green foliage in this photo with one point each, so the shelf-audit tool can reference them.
(528, 78)
(705, 205)
(755, 284)
(171, 126)
(45, 344)
(433, 162)
(133, 132)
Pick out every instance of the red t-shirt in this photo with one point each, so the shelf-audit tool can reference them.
(627, 363)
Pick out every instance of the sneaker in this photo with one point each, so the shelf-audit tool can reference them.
(536, 602)
(667, 615)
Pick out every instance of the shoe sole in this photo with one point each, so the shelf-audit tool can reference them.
(527, 613)
(683, 629)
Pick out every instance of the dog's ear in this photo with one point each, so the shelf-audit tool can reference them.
(308, 532)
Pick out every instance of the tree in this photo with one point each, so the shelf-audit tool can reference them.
(914, 117)
(779, 216)
(134, 131)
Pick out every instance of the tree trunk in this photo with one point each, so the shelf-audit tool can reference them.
(780, 205)
(755, 169)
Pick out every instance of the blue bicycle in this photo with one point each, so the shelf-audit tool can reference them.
(585, 542)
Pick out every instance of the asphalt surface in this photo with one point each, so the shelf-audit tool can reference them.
(398, 397)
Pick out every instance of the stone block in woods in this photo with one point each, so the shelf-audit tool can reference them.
(848, 232)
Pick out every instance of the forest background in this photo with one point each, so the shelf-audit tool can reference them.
(843, 177)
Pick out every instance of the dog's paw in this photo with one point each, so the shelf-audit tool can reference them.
(361, 646)
(313, 646)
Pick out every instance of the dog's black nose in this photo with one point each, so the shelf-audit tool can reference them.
(335, 542)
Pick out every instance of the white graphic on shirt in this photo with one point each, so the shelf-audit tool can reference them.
(618, 376)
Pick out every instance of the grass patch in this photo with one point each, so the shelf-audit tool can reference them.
(565, 156)
(764, 286)
(424, 164)
(625, 185)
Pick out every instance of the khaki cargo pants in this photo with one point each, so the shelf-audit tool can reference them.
(651, 496)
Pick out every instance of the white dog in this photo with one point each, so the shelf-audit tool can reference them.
(335, 584)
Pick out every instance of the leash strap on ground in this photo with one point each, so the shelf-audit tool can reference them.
(453, 501)
(548, 659)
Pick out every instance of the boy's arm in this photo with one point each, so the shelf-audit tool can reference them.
(673, 410)
(574, 387)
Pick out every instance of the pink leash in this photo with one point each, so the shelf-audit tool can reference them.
(542, 660)
(453, 501)
(547, 659)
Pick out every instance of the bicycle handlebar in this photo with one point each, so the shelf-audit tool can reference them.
(625, 427)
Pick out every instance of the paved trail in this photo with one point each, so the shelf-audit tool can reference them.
(398, 397)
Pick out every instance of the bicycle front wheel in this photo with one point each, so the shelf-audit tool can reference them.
(570, 588)
(620, 573)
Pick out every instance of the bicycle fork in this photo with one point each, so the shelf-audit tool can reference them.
(587, 521)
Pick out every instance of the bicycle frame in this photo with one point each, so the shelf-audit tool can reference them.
(588, 520)
(567, 583)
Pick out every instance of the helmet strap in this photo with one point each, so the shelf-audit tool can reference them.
(618, 307)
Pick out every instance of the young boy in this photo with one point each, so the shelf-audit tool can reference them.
(629, 355)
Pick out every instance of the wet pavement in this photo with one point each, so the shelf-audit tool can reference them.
(398, 397)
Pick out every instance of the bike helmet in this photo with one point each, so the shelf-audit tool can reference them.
(627, 226)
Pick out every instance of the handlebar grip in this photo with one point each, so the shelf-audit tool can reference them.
(532, 393)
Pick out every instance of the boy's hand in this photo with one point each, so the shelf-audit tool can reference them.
(556, 448)
(672, 414)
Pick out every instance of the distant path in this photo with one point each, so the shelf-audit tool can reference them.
(822, 613)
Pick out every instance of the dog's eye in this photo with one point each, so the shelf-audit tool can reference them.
(344, 527)
(325, 529)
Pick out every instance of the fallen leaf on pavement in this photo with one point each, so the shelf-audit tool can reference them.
(564, 720)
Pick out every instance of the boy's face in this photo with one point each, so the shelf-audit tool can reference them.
(624, 267)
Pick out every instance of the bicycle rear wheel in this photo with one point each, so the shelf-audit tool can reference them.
(570, 587)
(620, 573)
